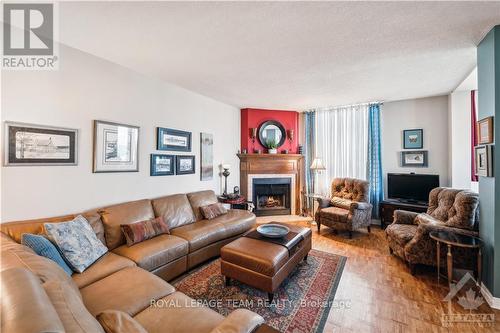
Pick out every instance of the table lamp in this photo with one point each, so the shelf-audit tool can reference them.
(225, 173)
(316, 166)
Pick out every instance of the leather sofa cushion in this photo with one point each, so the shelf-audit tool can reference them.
(119, 322)
(401, 233)
(22, 295)
(104, 266)
(236, 221)
(129, 290)
(177, 313)
(200, 199)
(155, 252)
(240, 321)
(69, 306)
(258, 256)
(45, 269)
(129, 212)
(201, 233)
(15, 230)
(175, 209)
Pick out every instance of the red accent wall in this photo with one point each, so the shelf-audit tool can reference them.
(253, 118)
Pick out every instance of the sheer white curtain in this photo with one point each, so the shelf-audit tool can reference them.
(342, 143)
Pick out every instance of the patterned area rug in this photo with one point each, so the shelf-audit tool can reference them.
(301, 304)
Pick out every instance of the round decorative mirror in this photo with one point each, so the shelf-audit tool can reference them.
(272, 133)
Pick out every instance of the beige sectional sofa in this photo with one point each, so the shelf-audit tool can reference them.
(121, 279)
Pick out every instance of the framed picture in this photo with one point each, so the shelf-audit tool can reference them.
(416, 159)
(485, 131)
(484, 160)
(206, 156)
(116, 147)
(184, 164)
(162, 165)
(413, 139)
(171, 139)
(28, 144)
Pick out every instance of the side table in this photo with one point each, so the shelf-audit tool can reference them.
(452, 239)
(238, 202)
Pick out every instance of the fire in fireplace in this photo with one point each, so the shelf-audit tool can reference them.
(271, 196)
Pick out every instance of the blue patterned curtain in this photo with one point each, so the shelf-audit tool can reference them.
(374, 158)
(310, 119)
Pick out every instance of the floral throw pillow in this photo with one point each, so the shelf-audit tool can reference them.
(77, 242)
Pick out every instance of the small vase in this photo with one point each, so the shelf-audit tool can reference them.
(273, 151)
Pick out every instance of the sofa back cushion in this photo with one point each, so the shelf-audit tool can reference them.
(22, 296)
(350, 189)
(125, 213)
(200, 199)
(175, 210)
(457, 208)
(16, 229)
(70, 309)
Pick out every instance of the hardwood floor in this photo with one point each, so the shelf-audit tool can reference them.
(383, 295)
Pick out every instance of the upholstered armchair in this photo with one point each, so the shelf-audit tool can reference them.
(449, 209)
(348, 208)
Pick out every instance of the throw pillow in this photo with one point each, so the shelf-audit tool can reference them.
(342, 203)
(115, 321)
(43, 247)
(141, 231)
(77, 242)
(213, 210)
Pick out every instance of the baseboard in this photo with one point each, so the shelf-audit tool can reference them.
(493, 302)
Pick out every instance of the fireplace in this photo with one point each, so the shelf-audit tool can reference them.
(271, 196)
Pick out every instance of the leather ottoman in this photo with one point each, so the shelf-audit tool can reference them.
(262, 264)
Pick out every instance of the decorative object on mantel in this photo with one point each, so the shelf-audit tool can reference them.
(301, 149)
(206, 156)
(272, 146)
(290, 134)
(316, 166)
(413, 139)
(226, 174)
(485, 131)
(259, 151)
(484, 160)
(253, 136)
(116, 147)
(29, 144)
(272, 131)
(171, 139)
(185, 164)
(162, 165)
(416, 159)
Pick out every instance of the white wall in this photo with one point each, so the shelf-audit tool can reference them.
(87, 88)
(430, 114)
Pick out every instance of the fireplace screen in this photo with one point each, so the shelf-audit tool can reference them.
(271, 196)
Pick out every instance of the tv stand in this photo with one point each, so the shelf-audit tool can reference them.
(387, 208)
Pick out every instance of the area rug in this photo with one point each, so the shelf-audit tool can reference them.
(301, 304)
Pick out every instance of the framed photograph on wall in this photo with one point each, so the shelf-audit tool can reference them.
(171, 139)
(416, 159)
(485, 131)
(162, 165)
(116, 147)
(29, 144)
(413, 139)
(185, 164)
(206, 156)
(484, 160)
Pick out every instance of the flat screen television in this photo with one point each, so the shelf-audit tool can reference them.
(411, 187)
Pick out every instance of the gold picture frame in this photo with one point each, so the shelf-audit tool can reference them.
(485, 131)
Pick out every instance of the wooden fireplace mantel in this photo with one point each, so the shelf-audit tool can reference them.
(285, 164)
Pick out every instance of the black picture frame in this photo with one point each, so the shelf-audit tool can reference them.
(263, 126)
(161, 132)
(34, 134)
(179, 169)
(153, 171)
(407, 144)
(422, 153)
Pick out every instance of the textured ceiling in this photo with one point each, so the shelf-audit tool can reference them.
(288, 55)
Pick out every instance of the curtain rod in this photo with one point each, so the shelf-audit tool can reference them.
(343, 106)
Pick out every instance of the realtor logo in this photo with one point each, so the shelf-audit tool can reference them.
(28, 36)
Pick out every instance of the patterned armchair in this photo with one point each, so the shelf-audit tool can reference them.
(347, 208)
(449, 209)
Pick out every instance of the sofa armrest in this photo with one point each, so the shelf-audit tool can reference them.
(323, 202)
(361, 205)
(239, 321)
(404, 217)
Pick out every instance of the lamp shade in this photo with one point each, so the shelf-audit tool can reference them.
(317, 164)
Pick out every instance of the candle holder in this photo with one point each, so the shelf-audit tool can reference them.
(253, 136)
(290, 134)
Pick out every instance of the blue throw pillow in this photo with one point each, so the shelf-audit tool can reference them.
(43, 247)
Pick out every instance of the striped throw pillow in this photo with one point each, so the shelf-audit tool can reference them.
(213, 210)
(140, 231)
